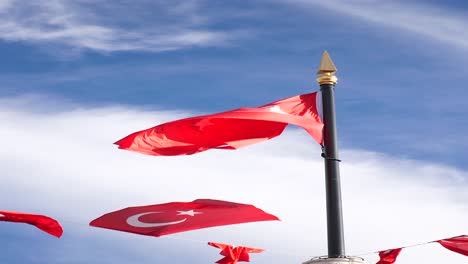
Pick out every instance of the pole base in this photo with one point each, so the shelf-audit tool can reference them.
(326, 260)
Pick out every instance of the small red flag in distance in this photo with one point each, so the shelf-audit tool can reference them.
(234, 254)
(457, 244)
(163, 219)
(389, 256)
(42, 222)
(228, 130)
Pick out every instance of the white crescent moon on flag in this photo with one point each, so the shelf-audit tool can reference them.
(134, 221)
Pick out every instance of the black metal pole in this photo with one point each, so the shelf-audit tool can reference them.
(335, 232)
(336, 247)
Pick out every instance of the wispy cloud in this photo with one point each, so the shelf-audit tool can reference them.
(62, 163)
(435, 22)
(121, 26)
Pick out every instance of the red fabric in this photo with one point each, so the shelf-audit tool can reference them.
(234, 254)
(457, 244)
(388, 256)
(163, 219)
(42, 222)
(228, 130)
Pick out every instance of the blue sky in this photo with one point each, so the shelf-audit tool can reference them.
(78, 75)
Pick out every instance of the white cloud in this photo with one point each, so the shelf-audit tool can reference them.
(99, 26)
(433, 22)
(62, 163)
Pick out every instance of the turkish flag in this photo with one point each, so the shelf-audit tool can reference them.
(42, 222)
(234, 254)
(457, 244)
(228, 130)
(388, 256)
(163, 219)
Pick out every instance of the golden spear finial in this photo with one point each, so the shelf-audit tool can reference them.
(327, 70)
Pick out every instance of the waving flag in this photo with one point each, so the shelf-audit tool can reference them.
(42, 222)
(163, 219)
(457, 244)
(389, 256)
(234, 254)
(228, 130)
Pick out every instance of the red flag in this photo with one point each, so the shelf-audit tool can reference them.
(234, 254)
(228, 130)
(388, 256)
(457, 244)
(163, 219)
(42, 222)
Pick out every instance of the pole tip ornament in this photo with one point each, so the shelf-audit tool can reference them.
(327, 70)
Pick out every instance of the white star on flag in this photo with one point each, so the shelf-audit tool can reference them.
(277, 109)
(189, 212)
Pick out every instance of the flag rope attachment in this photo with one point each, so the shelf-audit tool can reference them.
(409, 246)
(326, 157)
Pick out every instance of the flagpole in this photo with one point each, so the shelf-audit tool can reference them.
(335, 232)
